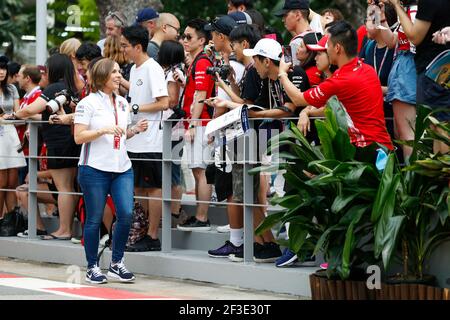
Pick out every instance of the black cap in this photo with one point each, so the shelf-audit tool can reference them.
(223, 24)
(293, 5)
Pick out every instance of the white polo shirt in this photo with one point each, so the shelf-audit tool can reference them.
(97, 111)
(147, 82)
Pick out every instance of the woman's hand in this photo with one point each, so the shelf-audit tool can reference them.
(304, 123)
(220, 82)
(64, 119)
(189, 135)
(217, 102)
(141, 126)
(179, 78)
(284, 66)
(442, 36)
(114, 130)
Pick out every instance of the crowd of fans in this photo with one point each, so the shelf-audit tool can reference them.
(118, 92)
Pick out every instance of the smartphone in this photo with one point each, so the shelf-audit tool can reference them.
(287, 52)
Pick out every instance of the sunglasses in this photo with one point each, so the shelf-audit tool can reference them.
(188, 37)
(115, 15)
(176, 29)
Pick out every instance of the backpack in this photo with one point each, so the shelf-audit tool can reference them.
(12, 223)
(138, 231)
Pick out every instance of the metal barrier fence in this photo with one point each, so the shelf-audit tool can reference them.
(249, 159)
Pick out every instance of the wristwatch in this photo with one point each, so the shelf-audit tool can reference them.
(135, 108)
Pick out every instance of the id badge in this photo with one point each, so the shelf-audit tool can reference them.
(116, 142)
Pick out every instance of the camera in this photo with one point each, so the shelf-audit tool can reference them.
(61, 98)
(223, 71)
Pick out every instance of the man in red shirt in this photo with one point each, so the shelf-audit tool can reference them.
(28, 79)
(355, 84)
(199, 86)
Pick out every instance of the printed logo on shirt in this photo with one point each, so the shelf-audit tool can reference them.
(139, 82)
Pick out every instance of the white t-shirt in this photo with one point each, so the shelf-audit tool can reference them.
(96, 111)
(178, 129)
(147, 82)
(219, 158)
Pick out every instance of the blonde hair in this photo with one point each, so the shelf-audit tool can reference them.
(113, 51)
(70, 47)
(100, 73)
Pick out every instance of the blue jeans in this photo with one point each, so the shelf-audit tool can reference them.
(96, 185)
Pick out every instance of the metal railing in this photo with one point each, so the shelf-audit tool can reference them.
(249, 155)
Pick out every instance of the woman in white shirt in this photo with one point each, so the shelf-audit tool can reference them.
(101, 125)
(11, 155)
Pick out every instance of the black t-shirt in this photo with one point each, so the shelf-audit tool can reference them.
(55, 135)
(251, 86)
(272, 93)
(384, 58)
(438, 13)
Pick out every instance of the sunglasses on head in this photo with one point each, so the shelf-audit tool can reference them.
(115, 15)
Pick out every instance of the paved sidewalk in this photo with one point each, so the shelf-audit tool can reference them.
(20, 280)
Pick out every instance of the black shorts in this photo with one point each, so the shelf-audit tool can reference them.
(433, 95)
(70, 150)
(147, 174)
(223, 185)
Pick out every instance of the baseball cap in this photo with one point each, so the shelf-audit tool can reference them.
(146, 14)
(293, 5)
(320, 46)
(268, 48)
(241, 17)
(223, 24)
(311, 38)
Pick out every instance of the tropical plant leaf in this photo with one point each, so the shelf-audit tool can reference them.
(342, 148)
(384, 188)
(390, 240)
(270, 221)
(297, 236)
(326, 139)
(346, 253)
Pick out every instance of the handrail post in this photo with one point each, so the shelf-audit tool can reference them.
(32, 181)
(249, 156)
(167, 187)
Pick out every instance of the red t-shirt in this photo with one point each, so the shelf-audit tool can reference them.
(313, 76)
(27, 100)
(361, 32)
(198, 82)
(358, 88)
(403, 42)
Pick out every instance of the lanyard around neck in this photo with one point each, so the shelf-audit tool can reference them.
(382, 61)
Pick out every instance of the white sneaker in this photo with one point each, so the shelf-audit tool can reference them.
(223, 229)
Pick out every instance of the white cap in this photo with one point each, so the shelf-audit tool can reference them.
(268, 48)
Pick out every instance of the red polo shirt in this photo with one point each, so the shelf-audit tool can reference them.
(28, 99)
(358, 88)
(198, 82)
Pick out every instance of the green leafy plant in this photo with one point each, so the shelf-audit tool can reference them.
(411, 211)
(331, 194)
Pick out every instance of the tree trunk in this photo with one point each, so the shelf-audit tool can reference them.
(129, 8)
(354, 10)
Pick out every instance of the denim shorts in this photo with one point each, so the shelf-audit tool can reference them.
(402, 81)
